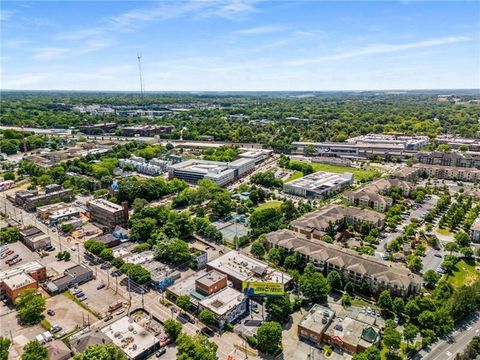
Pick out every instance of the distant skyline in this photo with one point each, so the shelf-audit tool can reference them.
(240, 45)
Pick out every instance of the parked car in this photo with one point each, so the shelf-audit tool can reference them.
(101, 286)
(207, 332)
(55, 328)
(60, 334)
(80, 294)
(160, 352)
(75, 291)
(108, 317)
(438, 255)
(119, 312)
(83, 298)
(186, 317)
(51, 312)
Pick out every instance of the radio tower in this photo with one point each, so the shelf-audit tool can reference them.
(139, 57)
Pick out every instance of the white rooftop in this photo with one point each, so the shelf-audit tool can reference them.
(129, 336)
(18, 281)
(24, 268)
(243, 267)
(321, 180)
(105, 204)
(223, 301)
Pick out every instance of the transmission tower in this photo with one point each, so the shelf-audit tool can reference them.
(139, 57)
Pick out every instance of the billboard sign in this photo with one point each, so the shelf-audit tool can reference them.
(260, 288)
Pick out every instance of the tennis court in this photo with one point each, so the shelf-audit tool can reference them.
(233, 229)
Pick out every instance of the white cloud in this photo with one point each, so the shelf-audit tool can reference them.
(6, 15)
(381, 49)
(266, 29)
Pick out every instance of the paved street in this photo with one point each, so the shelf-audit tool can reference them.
(151, 299)
(447, 349)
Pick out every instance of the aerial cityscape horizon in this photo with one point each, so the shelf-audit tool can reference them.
(239, 179)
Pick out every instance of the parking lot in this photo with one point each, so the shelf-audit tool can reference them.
(68, 314)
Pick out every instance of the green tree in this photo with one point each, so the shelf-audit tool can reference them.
(431, 278)
(93, 246)
(313, 285)
(171, 250)
(398, 306)
(392, 339)
(4, 347)
(136, 273)
(370, 353)
(183, 302)
(412, 309)
(279, 308)
(269, 336)
(257, 249)
(207, 317)
(221, 205)
(410, 332)
(172, 328)
(106, 254)
(346, 300)
(101, 352)
(30, 305)
(195, 348)
(334, 279)
(414, 263)
(276, 255)
(385, 301)
(33, 350)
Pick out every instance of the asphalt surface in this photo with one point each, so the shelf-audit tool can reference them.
(455, 343)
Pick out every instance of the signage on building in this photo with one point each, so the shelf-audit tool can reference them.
(259, 288)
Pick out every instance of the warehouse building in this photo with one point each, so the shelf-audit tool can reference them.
(75, 275)
(23, 277)
(319, 185)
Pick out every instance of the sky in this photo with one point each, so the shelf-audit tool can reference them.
(239, 45)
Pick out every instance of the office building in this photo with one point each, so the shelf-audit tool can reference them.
(98, 129)
(211, 282)
(414, 142)
(239, 267)
(353, 151)
(457, 142)
(219, 172)
(146, 130)
(26, 276)
(109, 214)
(314, 225)
(30, 199)
(379, 275)
(199, 256)
(258, 155)
(319, 185)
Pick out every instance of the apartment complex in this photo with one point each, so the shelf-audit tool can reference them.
(219, 172)
(239, 267)
(319, 185)
(466, 159)
(26, 276)
(449, 172)
(372, 195)
(107, 213)
(321, 325)
(314, 225)
(475, 231)
(153, 167)
(379, 275)
(31, 199)
(407, 173)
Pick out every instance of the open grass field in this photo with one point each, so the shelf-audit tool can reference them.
(294, 176)
(360, 175)
(464, 273)
(444, 231)
(269, 204)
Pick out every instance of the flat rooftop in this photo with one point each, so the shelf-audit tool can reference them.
(210, 278)
(317, 319)
(23, 268)
(353, 331)
(132, 338)
(202, 166)
(223, 301)
(186, 286)
(243, 267)
(321, 180)
(18, 281)
(105, 204)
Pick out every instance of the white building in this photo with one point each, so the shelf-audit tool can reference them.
(227, 305)
(475, 231)
(319, 184)
(219, 172)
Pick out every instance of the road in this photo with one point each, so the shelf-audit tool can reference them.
(151, 299)
(457, 341)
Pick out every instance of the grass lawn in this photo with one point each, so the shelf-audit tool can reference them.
(444, 231)
(294, 176)
(269, 204)
(464, 273)
(359, 174)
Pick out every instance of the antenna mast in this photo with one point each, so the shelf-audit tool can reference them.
(139, 57)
